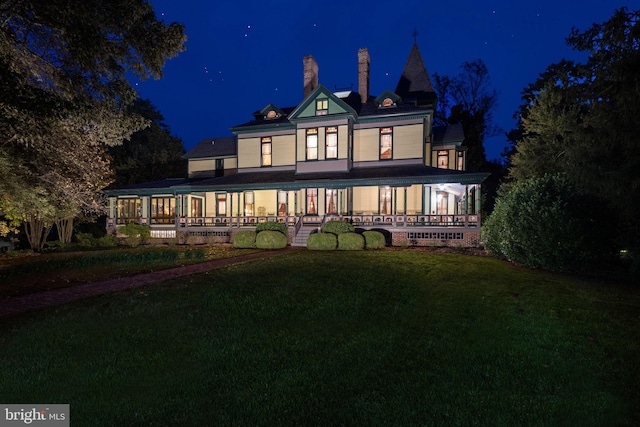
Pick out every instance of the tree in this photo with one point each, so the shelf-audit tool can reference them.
(581, 119)
(64, 96)
(150, 154)
(468, 99)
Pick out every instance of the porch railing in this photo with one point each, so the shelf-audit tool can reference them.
(358, 220)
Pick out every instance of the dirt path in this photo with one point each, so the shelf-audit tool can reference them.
(13, 306)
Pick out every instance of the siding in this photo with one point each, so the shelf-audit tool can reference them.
(407, 142)
(248, 152)
(283, 150)
(366, 145)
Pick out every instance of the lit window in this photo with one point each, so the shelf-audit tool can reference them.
(332, 142)
(387, 102)
(385, 200)
(272, 114)
(460, 160)
(196, 207)
(221, 204)
(322, 107)
(312, 144)
(312, 201)
(248, 203)
(128, 210)
(332, 201)
(386, 143)
(266, 151)
(443, 159)
(442, 199)
(163, 210)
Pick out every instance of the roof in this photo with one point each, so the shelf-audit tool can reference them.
(414, 83)
(450, 133)
(288, 180)
(213, 147)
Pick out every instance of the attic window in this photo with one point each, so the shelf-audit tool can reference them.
(322, 107)
(272, 114)
(387, 102)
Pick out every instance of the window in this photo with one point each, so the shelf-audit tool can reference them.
(221, 204)
(196, 207)
(312, 144)
(128, 210)
(386, 143)
(312, 201)
(331, 136)
(322, 107)
(163, 210)
(282, 203)
(385, 200)
(443, 159)
(219, 167)
(332, 201)
(248, 203)
(265, 144)
(443, 202)
(460, 160)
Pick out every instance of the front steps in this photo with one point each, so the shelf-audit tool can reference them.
(301, 238)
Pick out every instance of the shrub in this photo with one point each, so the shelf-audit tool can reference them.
(107, 241)
(86, 240)
(322, 242)
(374, 240)
(135, 233)
(244, 239)
(338, 227)
(350, 242)
(270, 239)
(548, 223)
(271, 226)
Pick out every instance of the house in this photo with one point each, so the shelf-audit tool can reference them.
(376, 161)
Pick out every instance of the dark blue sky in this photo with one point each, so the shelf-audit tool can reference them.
(242, 55)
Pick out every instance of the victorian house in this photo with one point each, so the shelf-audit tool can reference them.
(376, 161)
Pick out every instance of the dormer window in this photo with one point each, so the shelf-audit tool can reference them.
(322, 107)
(387, 102)
(272, 115)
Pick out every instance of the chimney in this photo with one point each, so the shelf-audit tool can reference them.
(363, 74)
(310, 74)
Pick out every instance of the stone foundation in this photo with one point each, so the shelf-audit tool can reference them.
(457, 238)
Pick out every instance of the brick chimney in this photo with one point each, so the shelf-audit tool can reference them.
(310, 74)
(363, 74)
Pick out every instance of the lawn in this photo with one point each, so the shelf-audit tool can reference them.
(338, 338)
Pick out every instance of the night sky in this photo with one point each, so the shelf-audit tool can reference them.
(242, 55)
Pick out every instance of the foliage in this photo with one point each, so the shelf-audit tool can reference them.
(272, 226)
(548, 223)
(373, 239)
(581, 119)
(338, 227)
(322, 242)
(65, 95)
(135, 234)
(468, 99)
(151, 154)
(350, 242)
(244, 239)
(269, 239)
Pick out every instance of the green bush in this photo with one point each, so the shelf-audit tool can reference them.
(135, 234)
(244, 239)
(350, 242)
(107, 241)
(373, 240)
(271, 226)
(548, 223)
(271, 239)
(86, 240)
(338, 227)
(322, 242)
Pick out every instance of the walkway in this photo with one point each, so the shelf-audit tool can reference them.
(13, 306)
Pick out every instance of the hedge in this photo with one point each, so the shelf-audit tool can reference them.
(338, 227)
(373, 239)
(271, 239)
(322, 242)
(244, 239)
(271, 226)
(350, 242)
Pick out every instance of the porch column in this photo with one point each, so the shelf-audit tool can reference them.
(405, 200)
(426, 203)
(230, 204)
(478, 201)
(395, 200)
(466, 200)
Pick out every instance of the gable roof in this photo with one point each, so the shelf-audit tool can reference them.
(336, 104)
(414, 83)
(213, 147)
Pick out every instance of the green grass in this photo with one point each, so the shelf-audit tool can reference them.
(338, 338)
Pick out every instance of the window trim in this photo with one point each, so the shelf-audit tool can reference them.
(264, 142)
(333, 131)
(322, 106)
